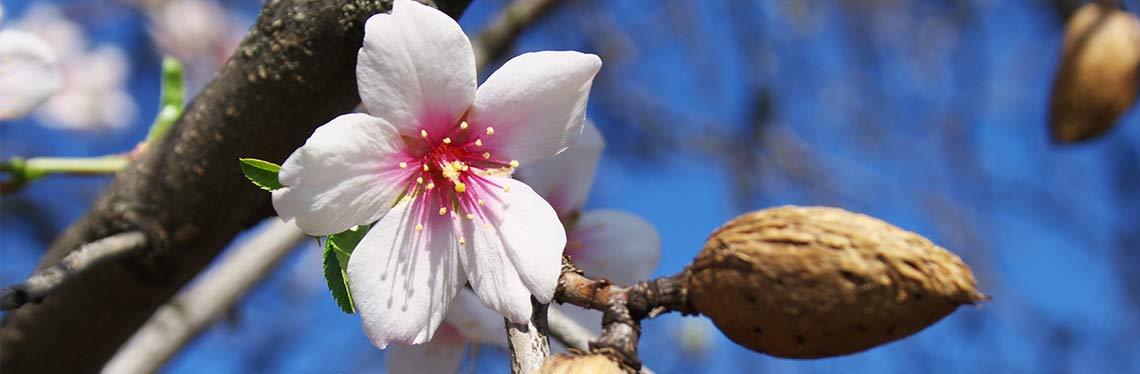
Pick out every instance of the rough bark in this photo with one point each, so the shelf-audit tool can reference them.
(292, 73)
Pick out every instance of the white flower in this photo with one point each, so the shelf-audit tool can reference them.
(430, 164)
(92, 93)
(29, 73)
(607, 244)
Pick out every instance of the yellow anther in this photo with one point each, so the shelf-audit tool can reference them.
(420, 180)
(478, 142)
(506, 188)
(462, 241)
(425, 167)
(419, 227)
(514, 163)
(460, 187)
(481, 203)
(431, 185)
(465, 167)
(463, 125)
(423, 133)
(403, 165)
(446, 140)
(442, 211)
(486, 155)
(470, 216)
(490, 130)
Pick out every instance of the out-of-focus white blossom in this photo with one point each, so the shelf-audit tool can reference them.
(199, 33)
(92, 93)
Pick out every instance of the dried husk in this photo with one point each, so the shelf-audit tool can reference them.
(1098, 78)
(811, 282)
(600, 363)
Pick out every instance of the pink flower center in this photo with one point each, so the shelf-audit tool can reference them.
(453, 171)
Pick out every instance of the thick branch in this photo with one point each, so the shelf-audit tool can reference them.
(42, 283)
(528, 344)
(194, 310)
(292, 73)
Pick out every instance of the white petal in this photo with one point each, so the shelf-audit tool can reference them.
(472, 319)
(346, 174)
(491, 273)
(416, 69)
(564, 180)
(615, 245)
(28, 73)
(442, 354)
(536, 103)
(531, 234)
(403, 280)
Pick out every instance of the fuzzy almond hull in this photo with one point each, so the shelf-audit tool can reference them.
(811, 282)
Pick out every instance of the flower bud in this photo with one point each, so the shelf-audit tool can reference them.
(594, 363)
(810, 282)
(1098, 78)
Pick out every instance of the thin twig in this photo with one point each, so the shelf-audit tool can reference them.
(42, 283)
(623, 307)
(567, 331)
(494, 41)
(528, 344)
(195, 309)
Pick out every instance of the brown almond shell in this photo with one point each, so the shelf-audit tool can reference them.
(811, 282)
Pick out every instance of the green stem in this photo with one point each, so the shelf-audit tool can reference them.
(22, 171)
(170, 105)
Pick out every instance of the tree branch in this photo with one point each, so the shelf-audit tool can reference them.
(528, 344)
(623, 308)
(495, 41)
(194, 310)
(43, 282)
(567, 331)
(292, 73)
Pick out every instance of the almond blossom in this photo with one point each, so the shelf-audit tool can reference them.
(431, 163)
(92, 91)
(609, 244)
(29, 72)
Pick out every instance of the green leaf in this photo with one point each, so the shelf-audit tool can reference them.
(338, 249)
(261, 173)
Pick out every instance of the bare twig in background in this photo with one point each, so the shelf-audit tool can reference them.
(567, 331)
(43, 282)
(494, 41)
(528, 345)
(194, 310)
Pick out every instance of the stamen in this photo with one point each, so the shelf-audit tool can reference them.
(490, 130)
(460, 187)
(403, 165)
(425, 167)
(420, 180)
(514, 163)
(463, 241)
(419, 227)
(481, 203)
(470, 216)
(463, 125)
(478, 142)
(423, 133)
(446, 140)
(431, 185)
(442, 211)
(506, 188)
(486, 155)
